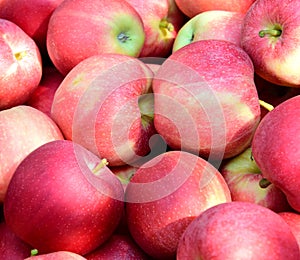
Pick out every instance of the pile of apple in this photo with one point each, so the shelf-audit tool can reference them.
(154, 129)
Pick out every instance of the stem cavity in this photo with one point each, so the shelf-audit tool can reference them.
(264, 183)
(166, 26)
(122, 37)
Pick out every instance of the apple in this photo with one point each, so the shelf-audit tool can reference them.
(192, 8)
(165, 194)
(59, 255)
(11, 246)
(79, 29)
(20, 65)
(105, 104)
(246, 183)
(22, 130)
(293, 220)
(31, 16)
(269, 36)
(62, 197)
(162, 21)
(238, 230)
(214, 24)
(118, 247)
(43, 95)
(276, 148)
(206, 101)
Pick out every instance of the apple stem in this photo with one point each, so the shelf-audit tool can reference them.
(34, 252)
(264, 183)
(165, 25)
(271, 32)
(266, 105)
(100, 165)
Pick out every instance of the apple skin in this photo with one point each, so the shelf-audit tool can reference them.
(192, 8)
(243, 178)
(238, 230)
(206, 101)
(276, 148)
(214, 24)
(43, 95)
(274, 57)
(63, 198)
(165, 195)
(11, 246)
(98, 105)
(118, 247)
(162, 21)
(293, 220)
(59, 255)
(31, 16)
(21, 65)
(79, 29)
(22, 130)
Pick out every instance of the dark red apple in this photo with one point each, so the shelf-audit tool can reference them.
(293, 220)
(238, 230)
(165, 195)
(63, 198)
(118, 247)
(11, 246)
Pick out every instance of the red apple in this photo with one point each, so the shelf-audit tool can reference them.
(79, 29)
(269, 36)
(276, 148)
(105, 105)
(165, 195)
(32, 16)
(238, 230)
(162, 21)
(214, 24)
(43, 95)
(246, 183)
(206, 101)
(22, 130)
(11, 246)
(192, 8)
(63, 198)
(293, 220)
(118, 247)
(20, 65)
(59, 255)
